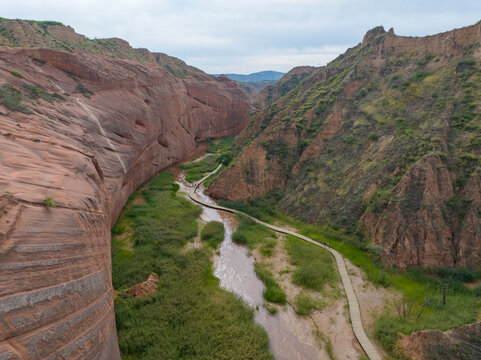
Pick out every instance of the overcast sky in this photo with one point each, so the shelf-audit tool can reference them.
(244, 36)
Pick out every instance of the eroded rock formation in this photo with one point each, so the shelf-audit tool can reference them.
(460, 343)
(383, 140)
(90, 130)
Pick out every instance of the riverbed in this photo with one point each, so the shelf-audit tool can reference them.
(290, 336)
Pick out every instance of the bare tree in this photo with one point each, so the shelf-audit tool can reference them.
(406, 306)
(444, 285)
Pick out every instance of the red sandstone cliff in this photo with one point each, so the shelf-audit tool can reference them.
(87, 154)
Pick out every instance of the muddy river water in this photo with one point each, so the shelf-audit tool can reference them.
(290, 336)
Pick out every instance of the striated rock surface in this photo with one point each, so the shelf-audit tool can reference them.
(460, 343)
(384, 140)
(79, 133)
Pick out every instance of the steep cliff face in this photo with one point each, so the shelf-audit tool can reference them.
(386, 138)
(78, 134)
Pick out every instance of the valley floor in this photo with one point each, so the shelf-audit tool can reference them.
(190, 316)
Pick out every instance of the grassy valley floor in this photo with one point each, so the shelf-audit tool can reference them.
(189, 316)
(418, 290)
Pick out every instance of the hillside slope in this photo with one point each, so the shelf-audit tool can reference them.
(386, 140)
(79, 132)
(269, 94)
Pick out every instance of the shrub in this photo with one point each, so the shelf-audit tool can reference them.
(465, 65)
(305, 304)
(386, 332)
(80, 88)
(421, 75)
(16, 73)
(273, 292)
(250, 233)
(49, 202)
(276, 147)
(460, 274)
(225, 158)
(320, 109)
(12, 98)
(379, 200)
(36, 93)
(314, 265)
(213, 233)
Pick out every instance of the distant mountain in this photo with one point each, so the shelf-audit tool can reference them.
(268, 75)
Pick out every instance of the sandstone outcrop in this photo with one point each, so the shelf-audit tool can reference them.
(90, 130)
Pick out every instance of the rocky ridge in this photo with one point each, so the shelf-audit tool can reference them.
(383, 140)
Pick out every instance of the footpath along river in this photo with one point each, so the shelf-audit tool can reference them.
(290, 336)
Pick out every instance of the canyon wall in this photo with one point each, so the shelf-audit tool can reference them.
(79, 133)
(384, 141)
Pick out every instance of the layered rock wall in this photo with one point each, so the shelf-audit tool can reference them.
(86, 154)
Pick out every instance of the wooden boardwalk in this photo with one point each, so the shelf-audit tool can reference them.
(354, 309)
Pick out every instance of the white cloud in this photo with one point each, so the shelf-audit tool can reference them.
(247, 35)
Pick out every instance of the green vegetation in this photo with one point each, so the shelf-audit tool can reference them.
(271, 308)
(401, 109)
(314, 265)
(260, 208)
(45, 23)
(11, 98)
(213, 233)
(196, 170)
(16, 73)
(189, 316)
(273, 292)
(219, 146)
(211, 179)
(305, 304)
(217, 153)
(49, 202)
(36, 93)
(329, 350)
(81, 89)
(251, 233)
(418, 285)
(225, 158)
(267, 247)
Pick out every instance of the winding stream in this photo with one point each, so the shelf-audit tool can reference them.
(290, 336)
